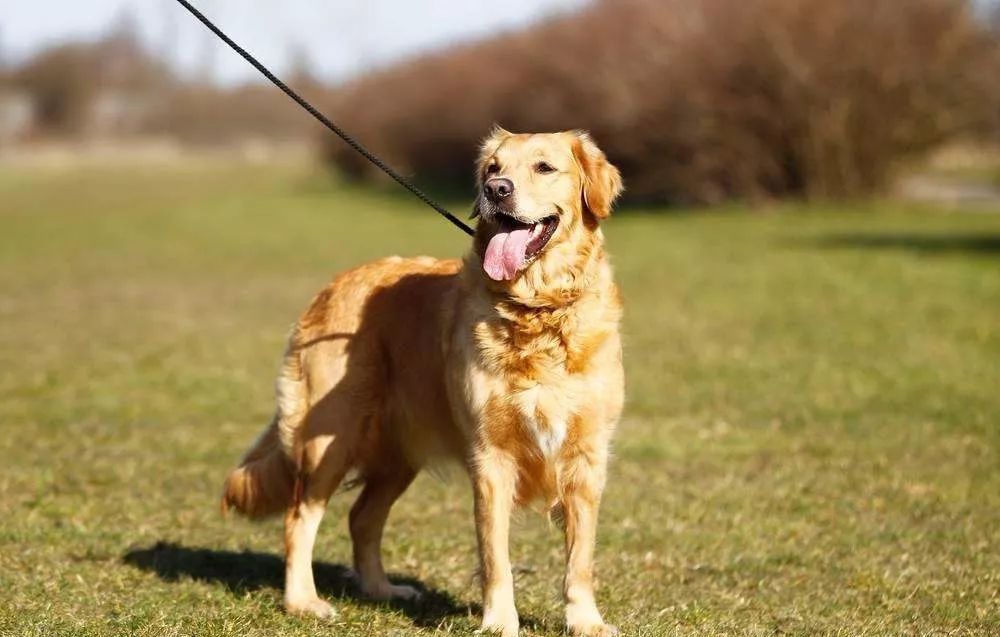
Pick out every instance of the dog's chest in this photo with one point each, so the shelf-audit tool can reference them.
(544, 412)
(537, 395)
(538, 378)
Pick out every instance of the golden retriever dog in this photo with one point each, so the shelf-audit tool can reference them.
(508, 361)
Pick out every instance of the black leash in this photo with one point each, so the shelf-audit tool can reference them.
(353, 143)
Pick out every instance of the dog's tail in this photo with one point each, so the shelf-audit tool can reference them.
(265, 481)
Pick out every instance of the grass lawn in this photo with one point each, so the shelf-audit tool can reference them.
(811, 443)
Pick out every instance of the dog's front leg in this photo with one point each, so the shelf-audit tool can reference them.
(583, 483)
(493, 477)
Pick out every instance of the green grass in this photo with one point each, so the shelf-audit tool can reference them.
(811, 443)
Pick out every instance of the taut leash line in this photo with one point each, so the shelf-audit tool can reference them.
(353, 143)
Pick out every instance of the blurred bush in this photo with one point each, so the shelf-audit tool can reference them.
(70, 85)
(699, 101)
(113, 88)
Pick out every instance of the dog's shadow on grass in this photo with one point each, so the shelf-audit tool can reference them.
(246, 571)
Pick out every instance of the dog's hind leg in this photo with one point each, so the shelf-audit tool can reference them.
(325, 460)
(301, 523)
(368, 516)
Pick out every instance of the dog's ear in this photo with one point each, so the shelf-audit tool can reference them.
(488, 147)
(602, 183)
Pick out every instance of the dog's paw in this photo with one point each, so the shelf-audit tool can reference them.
(593, 630)
(585, 621)
(314, 607)
(497, 631)
(499, 624)
(398, 592)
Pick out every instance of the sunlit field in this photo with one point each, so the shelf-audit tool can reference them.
(811, 443)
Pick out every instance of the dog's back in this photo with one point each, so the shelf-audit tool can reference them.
(363, 366)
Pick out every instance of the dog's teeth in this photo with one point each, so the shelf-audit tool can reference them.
(536, 230)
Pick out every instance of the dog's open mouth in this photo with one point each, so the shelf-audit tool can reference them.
(515, 244)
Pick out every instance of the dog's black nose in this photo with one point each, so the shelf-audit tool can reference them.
(498, 188)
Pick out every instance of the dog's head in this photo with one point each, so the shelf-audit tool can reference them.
(538, 192)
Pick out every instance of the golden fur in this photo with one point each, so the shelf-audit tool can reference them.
(402, 363)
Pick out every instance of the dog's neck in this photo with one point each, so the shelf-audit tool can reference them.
(561, 314)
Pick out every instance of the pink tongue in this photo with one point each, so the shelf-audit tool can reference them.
(505, 254)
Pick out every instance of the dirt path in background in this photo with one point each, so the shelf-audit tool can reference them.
(971, 195)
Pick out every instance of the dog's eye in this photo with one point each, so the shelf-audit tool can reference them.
(544, 168)
(492, 169)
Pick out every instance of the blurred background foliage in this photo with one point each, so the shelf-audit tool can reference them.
(698, 103)
(707, 101)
